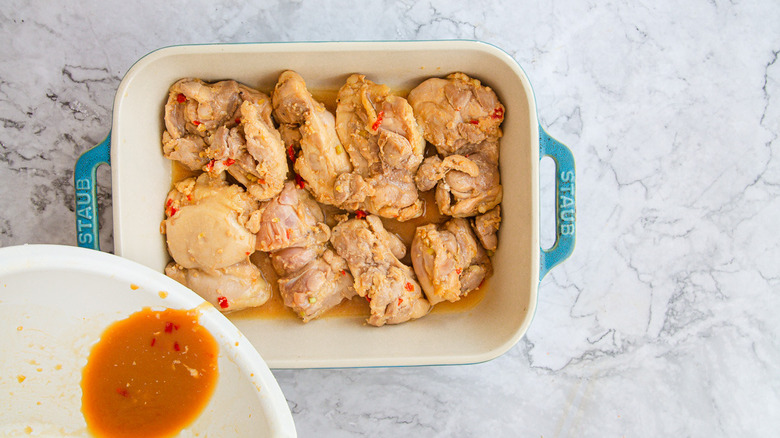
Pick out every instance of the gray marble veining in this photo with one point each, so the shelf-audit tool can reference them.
(663, 322)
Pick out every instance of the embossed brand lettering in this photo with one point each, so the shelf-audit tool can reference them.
(85, 212)
(83, 184)
(83, 198)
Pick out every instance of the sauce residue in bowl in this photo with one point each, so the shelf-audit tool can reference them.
(149, 375)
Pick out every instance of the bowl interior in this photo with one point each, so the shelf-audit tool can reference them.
(54, 304)
(142, 178)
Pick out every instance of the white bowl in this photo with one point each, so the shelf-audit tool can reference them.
(55, 301)
(142, 178)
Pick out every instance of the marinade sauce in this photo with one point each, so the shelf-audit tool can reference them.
(149, 375)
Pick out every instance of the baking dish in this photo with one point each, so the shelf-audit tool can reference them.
(141, 178)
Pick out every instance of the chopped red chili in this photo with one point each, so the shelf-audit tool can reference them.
(223, 302)
(210, 166)
(169, 202)
(176, 346)
(173, 211)
(498, 113)
(474, 122)
(195, 122)
(343, 272)
(238, 121)
(378, 122)
(409, 286)
(181, 98)
(168, 327)
(291, 153)
(360, 214)
(458, 271)
(299, 181)
(289, 233)
(368, 299)
(189, 197)
(229, 162)
(400, 300)
(123, 392)
(154, 341)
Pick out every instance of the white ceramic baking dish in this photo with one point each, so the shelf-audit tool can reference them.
(141, 178)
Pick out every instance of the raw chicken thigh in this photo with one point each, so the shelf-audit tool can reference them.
(372, 255)
(318, 286)
(456, 111)
(208, 239)
(225, 126)
(291, 219)
(448, 260)
(486, 228)
(466, 185)
(385, 145)
(312, 278)
(306, 125)
(206, 223)
(235, 287)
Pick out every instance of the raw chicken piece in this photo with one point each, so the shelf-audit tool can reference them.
(225, 126)
(466, 185)
(291, 219)
(206, 223)
(196, 107)
(390, 286)
(252, 151)
(308, 126)
(290, 260)
(317, 287)
(235, 287)
(456, 111)
(448, 260)
(486, 228)
(385, 145)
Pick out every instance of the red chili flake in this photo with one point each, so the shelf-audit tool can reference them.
(474, 122)
(210, 166)
(247, 253)
(123, 392)
(291, 153)
(189, 197)
(409, 286)
(168, 327)
(378, 122)
(170, 201)
(498, 113)
(360, 214)
(238, 121)
(299, 181)
(289, 233)
(173, 211)
(343, 272)
(368, 299)
(458, 271)
(229, 162)
(154, 341)
(223, 302)
(195, 122)
(176, 346)
(181, 98)
(400, 300)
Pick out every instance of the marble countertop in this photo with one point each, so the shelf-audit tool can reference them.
(664, 320)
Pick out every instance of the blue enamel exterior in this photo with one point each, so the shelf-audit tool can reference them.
(565, 211)
(84, 179)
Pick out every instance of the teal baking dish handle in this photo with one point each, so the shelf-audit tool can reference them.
(84, 179)
(565, 211)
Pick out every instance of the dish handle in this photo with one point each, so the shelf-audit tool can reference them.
(565, 228)
(84, 179)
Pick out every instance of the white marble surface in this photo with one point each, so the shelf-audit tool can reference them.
(665, 320)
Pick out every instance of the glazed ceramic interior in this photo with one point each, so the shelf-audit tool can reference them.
(142, 178)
